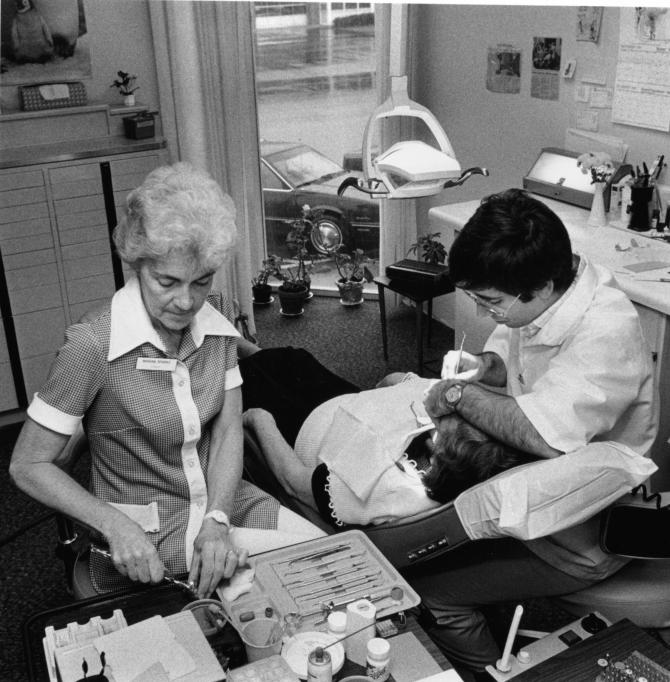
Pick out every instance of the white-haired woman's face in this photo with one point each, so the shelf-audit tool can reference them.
(173, 290)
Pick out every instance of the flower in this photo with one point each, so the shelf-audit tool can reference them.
(599, 163)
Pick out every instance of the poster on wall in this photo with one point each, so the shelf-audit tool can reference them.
(588, 23)
(43, 41)
(503, 70)
(642, 84)
(545, 74)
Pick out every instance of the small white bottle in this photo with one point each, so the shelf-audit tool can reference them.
(337, 624)
(379, 659)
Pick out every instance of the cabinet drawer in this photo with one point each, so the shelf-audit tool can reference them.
(8, 399)
(137, 165)
(28, 259)
(80, 172)
(21, 197)
(76, 221)
(21, 244)
(25, 228)
(83, 235)
(78, 310)
(14, 180)
(79, 205)
(36, 298)
(87, 289)
(40, 332)
(81, 188)
(87, 267)
(38, 275)
(15, 214)
(35, 372)
(98, 247)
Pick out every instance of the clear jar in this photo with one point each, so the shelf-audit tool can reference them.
(378, 659)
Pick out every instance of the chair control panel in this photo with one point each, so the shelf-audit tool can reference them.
(551, 644)
(425, 551)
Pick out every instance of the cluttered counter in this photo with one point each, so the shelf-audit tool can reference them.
(639, 262)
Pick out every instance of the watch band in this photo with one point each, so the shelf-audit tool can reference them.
(218, 516)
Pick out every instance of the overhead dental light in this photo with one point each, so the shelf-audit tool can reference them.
(410, 168)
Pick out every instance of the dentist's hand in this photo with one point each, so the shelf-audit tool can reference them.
(470, 369)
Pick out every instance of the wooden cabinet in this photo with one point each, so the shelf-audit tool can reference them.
(57, 261)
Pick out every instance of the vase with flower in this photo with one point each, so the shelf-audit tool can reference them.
(601, 168)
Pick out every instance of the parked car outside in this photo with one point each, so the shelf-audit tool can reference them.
(295, 174)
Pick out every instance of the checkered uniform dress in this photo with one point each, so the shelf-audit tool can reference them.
(149, 431)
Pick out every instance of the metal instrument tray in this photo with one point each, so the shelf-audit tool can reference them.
(315, 577)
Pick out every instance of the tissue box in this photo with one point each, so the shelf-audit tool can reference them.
(139, 126)
(46, 96)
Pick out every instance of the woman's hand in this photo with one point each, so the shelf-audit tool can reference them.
(214, 557)
(133, 554)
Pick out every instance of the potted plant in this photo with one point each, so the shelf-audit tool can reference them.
(429, 249)
(262, 291)
(125, 84)
(296, 240)
(292, 291)
(353, 274)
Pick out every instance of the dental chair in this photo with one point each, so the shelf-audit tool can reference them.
(558, 495)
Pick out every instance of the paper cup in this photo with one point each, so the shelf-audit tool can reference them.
(262, 637)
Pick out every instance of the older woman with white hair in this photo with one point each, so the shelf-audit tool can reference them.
(155, 381)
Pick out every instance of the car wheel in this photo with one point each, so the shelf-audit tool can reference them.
(327, 235)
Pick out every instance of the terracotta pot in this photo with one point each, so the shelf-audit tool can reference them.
(262, 293)
(351, 293)
(291, 301)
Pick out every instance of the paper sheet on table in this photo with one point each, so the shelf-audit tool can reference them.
(444, 676)
(131, 651)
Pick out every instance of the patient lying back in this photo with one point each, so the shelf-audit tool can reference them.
(361, 459)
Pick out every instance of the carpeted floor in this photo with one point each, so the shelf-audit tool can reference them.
(347, 340)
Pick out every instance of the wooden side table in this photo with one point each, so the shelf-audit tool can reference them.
(419, 292)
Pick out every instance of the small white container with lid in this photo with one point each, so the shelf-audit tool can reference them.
(379, 659)
(337, 624)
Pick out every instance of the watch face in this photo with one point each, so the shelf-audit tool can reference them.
(453, 394)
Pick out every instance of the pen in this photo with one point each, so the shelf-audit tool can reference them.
(460, 353)
(658, 279)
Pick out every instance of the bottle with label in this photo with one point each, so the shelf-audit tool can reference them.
(319, 666)
(379, 659)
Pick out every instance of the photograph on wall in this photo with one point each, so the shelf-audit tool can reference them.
(503, 70)
(589, 20)
(546, 69)
(43, 41)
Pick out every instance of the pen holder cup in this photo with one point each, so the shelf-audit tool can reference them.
(640, 199)
(262, 637)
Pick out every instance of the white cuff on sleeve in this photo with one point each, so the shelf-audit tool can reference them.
(51, 417)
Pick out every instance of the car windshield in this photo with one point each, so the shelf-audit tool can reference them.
(301, 165)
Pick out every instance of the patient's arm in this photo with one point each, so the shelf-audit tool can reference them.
(294, 476)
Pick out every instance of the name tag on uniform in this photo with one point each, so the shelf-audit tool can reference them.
(157, 364)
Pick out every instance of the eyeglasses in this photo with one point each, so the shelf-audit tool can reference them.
(493, 310)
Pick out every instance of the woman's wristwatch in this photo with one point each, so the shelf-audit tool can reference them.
(218, 516)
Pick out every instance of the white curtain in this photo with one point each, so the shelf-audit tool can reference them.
(204, 60)
(398, 224)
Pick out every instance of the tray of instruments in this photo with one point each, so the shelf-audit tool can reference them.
(313, 578)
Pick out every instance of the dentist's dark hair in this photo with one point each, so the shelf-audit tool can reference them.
(513, 243)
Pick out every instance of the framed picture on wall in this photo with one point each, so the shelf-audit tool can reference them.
(43, 41)
(588, 23)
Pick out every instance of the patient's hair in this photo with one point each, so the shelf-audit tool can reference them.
(464, 455)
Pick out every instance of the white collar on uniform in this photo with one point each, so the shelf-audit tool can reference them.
(551, 327)
(131, 325)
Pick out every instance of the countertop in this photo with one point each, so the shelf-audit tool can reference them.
(70, 151)
(613, 247)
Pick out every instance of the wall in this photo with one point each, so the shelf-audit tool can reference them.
(119, 35)
(504, 132)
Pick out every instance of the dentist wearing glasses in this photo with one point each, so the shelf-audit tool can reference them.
(569, 353)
